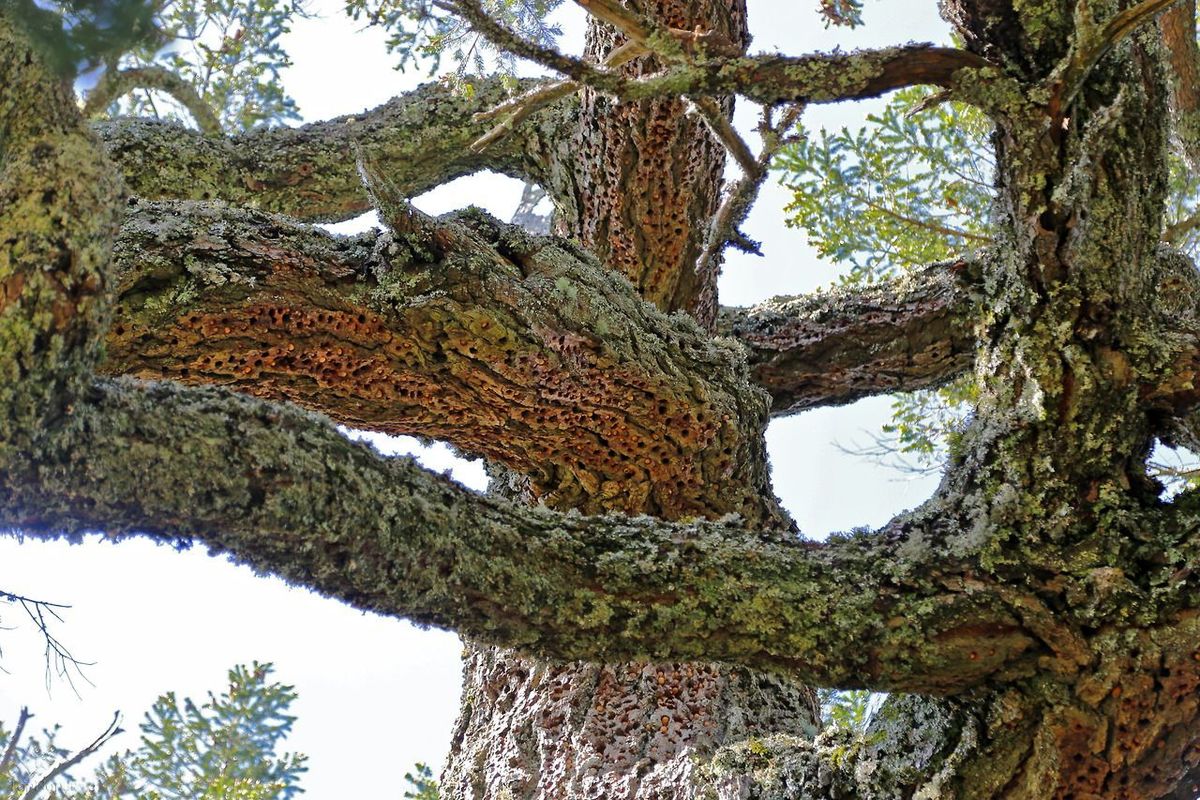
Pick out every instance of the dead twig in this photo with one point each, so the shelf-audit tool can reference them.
(10, 751)
(42, 613)
(109, 732)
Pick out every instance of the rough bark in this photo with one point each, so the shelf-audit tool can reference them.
(644, 178)
(1045, 603)
(515, 347)
(636, 186)
(837, 346)
(283, 491)
(421, 139)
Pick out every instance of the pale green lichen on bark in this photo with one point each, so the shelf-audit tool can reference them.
(58, 207)
(421, 139)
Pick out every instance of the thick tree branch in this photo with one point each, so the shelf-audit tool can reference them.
(116, 83)
(519, 348)
(834, 347)
(285, 493)
(422, 139)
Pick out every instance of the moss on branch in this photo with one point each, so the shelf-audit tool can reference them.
(285, 493)
(421, 139)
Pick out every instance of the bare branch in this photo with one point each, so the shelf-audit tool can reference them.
(108, 733)
(739, 198)
(59, 659)
(765, 79)
(833, 347)
(575, 68)
(720, 125)
(420, 139)
(10, 751)
(115, 83)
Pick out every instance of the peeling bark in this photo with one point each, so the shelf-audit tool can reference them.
(636, 183)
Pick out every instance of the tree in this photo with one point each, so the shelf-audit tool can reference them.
(647, 620)
(224, 749)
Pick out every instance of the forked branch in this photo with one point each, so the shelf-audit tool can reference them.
(817, 78)
(43, 614)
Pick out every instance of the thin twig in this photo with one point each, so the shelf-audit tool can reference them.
(520, 108)
(933, 227)
(118, 82)
(10, 751)
(109, 732)
(56, 651)
(549, 57)
(725, 228)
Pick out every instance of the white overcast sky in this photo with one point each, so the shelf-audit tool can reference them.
(377, 694)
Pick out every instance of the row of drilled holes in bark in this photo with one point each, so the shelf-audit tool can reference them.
(657, 194)
(665, 458)
(636, 396)
(1150, 717)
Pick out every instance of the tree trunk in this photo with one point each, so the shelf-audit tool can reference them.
(638, 186)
